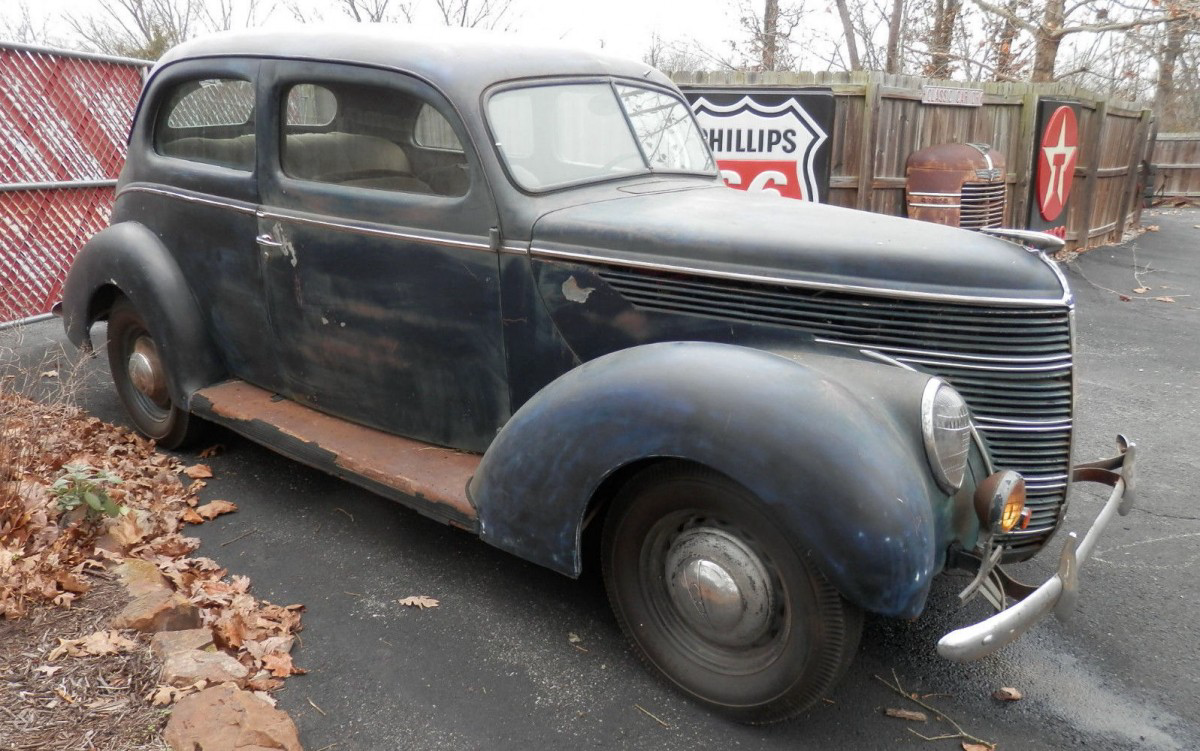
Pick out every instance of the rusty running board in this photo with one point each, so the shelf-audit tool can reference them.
(430, 479)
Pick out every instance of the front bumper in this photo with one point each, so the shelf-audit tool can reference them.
(1060, 592)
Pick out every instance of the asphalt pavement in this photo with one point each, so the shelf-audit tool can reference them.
(517, 657)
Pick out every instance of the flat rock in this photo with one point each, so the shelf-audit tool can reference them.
(225, 718)
(185, 668)
(158, 610)
(166, 643)
(140, 577)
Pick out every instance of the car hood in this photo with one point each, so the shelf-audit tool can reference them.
(718, 230)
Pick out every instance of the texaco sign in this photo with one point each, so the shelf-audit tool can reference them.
(1056, 162)
(774, 142)
(1056, 152)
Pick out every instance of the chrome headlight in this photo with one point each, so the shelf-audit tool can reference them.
(946, 425)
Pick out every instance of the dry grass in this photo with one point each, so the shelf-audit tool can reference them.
(85, 703)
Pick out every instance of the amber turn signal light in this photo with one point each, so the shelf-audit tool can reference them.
(1000, 502)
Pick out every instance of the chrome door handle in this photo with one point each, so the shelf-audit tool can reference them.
(266, 240)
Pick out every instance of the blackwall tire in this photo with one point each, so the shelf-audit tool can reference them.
(140, 375)
(718, 601)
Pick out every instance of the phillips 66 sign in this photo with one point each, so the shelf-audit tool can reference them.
(769, 140)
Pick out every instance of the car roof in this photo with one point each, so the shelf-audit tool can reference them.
(459, 61)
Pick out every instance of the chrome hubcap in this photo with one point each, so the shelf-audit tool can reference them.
(719, 587)
(146, 371)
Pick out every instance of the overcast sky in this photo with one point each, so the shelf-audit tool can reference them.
(623, 27)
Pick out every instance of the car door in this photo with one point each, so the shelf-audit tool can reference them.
(380, 279)
(191, 180)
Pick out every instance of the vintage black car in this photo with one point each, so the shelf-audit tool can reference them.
(505, 285)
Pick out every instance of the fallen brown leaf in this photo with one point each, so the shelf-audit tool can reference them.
(906, 714)
(1125, 298)
(198, 471)
(1165, 298)
(99, 643)
(213, 509)
(71, 583)
(50, 374)
(211, 451)
(1141, 290)
(191, 517)
(976, 747)
(281, 665)
(1152, 228)
(418, 601)
(1007, 693)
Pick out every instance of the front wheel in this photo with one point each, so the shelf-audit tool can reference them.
(717, 599)
(140, 374)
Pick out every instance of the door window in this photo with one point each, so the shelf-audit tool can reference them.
(372, 137)
(209, 120)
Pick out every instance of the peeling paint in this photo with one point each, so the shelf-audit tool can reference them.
(286, 248)
(573, 292)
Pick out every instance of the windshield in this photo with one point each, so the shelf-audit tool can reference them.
(561, 134)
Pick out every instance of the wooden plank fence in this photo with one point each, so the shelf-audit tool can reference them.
(1176, 165)
(880, 119)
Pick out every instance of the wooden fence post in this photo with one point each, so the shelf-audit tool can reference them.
(1026, 161)
(1100, 116)
(1132, 199)
(866, 164)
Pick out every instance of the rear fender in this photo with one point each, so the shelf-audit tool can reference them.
(831, 445)
(129, 259)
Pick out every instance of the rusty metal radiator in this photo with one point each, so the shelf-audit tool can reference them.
(958, 184)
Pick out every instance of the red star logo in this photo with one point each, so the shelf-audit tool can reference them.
(1056, 162)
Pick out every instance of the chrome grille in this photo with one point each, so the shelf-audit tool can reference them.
(1012, 364)
(982, 205)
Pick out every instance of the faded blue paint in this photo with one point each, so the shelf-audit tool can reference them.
(829, 463)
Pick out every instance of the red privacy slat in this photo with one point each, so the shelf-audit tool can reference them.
(63, 118)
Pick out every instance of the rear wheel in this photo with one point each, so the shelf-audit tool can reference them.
(140, 375)
(717, 599)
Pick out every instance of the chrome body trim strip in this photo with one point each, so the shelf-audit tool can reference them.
(373, 231)
(1001, 421)
(241, 208)
(514, 250)
(563, 255)
(936, 205)
(952, 355)
(991, 368)
(1024, 428)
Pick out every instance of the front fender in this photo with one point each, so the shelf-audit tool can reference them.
(830, 444)
(130, 259)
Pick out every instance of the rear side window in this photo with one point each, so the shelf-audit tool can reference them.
(210, 120)
(435, 132)
(370, 136)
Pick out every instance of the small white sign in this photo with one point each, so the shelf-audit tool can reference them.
(952, 95)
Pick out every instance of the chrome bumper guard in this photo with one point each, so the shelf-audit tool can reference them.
(1060, 592)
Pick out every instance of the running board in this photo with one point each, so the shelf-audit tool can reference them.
(430, 479)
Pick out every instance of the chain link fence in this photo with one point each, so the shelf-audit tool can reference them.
(64, 117)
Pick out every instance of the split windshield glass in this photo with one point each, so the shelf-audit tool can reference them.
(555, 135)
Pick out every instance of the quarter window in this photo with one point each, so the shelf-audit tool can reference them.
(209, 120)
(371, 137)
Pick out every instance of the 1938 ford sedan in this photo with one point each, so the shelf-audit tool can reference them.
(506, 286)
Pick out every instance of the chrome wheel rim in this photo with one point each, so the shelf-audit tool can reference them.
(147, 376)
(714, 594)
(719, 586)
